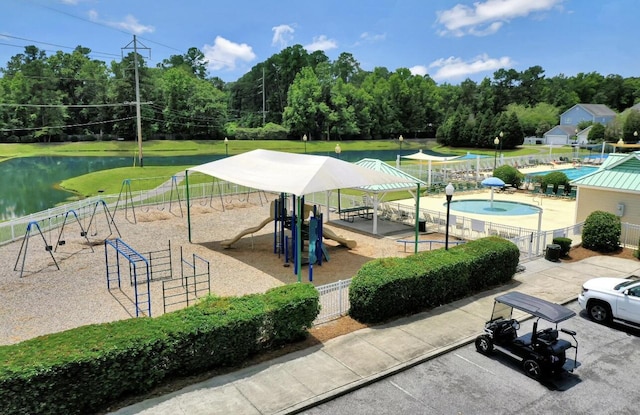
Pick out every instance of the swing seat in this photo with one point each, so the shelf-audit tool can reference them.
(62, 242)
(48, 248)
(83, 234)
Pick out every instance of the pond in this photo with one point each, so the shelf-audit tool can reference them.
(29, 184)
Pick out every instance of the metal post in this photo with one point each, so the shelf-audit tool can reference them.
(449, 192)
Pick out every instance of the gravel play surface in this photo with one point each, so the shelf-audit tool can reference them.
(47, 300)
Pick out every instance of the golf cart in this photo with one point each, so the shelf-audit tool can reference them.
(541, 351)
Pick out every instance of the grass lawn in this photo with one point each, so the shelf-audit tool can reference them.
(110, 181)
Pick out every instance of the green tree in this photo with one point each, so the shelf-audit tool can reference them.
(631, 127)
(596, 133)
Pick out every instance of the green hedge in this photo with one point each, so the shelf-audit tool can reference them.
(84, 369)
(391, 287)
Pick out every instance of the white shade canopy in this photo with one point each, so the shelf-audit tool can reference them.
(296, 174)
(428, 157)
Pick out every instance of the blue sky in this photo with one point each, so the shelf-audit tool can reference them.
(449, 40)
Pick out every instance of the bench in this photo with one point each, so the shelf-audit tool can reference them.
(430, 242)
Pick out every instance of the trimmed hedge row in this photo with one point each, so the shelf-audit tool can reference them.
(84, 369)
(390, 287)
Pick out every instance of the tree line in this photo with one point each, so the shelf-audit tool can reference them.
(70, 96)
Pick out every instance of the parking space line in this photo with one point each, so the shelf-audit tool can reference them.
(404, 390)
(475, 364)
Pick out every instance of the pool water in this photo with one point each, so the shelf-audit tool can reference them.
(498, 207)
(572, 173)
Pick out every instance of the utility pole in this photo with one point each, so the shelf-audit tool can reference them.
(137, 80)
(261, 91)
(264, 114)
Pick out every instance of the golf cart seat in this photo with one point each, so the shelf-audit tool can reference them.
(524, 340)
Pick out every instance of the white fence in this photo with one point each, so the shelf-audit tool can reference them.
(334, 297)
(334, 301)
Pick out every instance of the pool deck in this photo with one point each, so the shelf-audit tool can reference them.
(556, 212)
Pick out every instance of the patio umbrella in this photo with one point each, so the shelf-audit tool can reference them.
(430, 158)
(492, 182)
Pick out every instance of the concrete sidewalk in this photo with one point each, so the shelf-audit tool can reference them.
(303, 379)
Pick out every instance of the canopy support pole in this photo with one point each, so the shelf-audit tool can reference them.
(299, 239)
(417, 220)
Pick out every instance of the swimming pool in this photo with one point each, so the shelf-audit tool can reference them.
(497, 207)
(572, 173)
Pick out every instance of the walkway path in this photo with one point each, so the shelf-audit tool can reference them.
(309, 377)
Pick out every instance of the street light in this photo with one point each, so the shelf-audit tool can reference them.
(226, 146)
(496, 141)
(449, 192)
(304, 138)
(501, 141)
(400, 139)
(338, 150)
(635, 136)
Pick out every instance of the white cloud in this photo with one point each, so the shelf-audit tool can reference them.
(420, 70)
(282, 35)
(321, 43)
(224, 54)
(453, 67)
(70, 2)
(129, 24)
(487, 17)
(373, 37)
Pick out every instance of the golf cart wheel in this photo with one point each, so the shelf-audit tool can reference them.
(599, 312)
(484, 344)
(532, 368)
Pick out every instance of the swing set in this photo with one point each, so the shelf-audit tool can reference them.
(126, 196)
(34, 227)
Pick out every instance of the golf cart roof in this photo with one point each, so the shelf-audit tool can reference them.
(537, 307)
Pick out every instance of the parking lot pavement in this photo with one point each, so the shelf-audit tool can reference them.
(467, 382)
(301, 380)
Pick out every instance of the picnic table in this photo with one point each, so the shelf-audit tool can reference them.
(349, 214)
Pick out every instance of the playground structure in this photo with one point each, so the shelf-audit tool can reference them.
(50, 223)
(190, 286)
(152, 267)
(285, 234)
(139, 274)
(276, 207)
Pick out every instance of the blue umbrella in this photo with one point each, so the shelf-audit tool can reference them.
(492, 182)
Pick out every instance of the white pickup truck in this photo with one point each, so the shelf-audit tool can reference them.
(607, 299)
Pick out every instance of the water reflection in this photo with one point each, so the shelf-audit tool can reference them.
(29, 184)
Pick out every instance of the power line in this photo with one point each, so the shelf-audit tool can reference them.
(56, 45)
(125, 104)
(66, 126)
(118, 30)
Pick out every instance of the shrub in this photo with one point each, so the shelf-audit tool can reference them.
(601, 232)
(509, 175)
(565, 244)
(81, 370)
(555, 179)
(390, 287)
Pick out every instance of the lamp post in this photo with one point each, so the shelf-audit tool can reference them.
(449, 192)
(304, 138)
(501, 141)
(400, 140)
(338, 150)
(496, 141)
(226, 146)
(635, 136)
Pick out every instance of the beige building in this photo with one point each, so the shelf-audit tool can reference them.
(614, 188)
